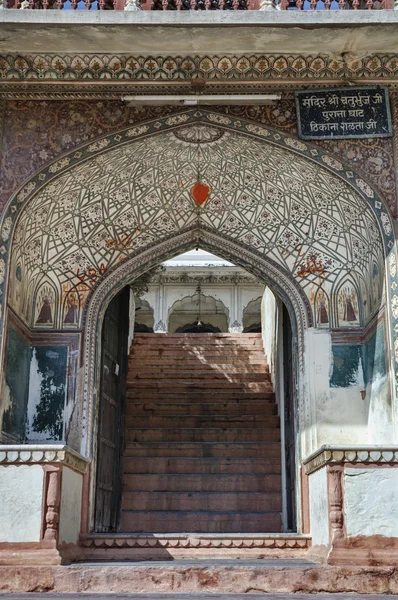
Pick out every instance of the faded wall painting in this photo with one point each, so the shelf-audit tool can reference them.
(268, 198)
(16, 387)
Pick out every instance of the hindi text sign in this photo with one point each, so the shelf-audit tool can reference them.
(344, 113)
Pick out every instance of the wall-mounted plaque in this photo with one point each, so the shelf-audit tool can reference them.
(344, 113)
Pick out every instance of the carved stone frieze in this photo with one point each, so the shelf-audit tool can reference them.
(42, 454)
(195, 541)
(131, 71)
(327, 455)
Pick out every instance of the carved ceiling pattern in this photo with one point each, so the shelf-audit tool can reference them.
(267, 197)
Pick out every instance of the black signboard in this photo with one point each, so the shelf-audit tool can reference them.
(344, 113)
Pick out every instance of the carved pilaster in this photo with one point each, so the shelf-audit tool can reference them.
(336, 508)
(52, 502)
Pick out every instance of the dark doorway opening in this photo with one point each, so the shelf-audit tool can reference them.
(111, 413)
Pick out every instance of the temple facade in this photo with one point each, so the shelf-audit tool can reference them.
(198, 294)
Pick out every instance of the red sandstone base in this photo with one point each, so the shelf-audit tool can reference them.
(169, 577)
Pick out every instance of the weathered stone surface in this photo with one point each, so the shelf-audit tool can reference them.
(229, 577)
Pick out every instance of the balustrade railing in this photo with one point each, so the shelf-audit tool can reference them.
(306, 5)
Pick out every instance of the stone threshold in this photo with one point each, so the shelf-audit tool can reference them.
(216, 577)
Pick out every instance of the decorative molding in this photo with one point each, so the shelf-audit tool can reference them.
(136, 70)
(195, 540)
(41, 454)
(327, 455)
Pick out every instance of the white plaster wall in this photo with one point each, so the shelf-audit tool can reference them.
(380, 412)
(269, 324)
(21, 494)
(319, 518)
(336, 415)
(371, 501)
(71, 506)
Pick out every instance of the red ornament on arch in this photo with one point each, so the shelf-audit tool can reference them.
(200, 193)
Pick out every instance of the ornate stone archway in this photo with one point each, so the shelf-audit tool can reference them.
(277, 205)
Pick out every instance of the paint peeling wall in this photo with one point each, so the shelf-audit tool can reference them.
(349, 391)
(35, 391)
(16, 387)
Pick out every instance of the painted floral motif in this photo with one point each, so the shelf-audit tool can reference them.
(6, 229)
(386, 223)
(392, 262)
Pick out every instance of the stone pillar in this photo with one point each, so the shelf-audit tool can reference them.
(336, 509)
(52, 502)
(160, 318)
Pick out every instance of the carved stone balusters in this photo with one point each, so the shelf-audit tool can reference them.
(336, 508)
(52, 503)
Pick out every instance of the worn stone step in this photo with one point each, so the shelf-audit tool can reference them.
(203, 435)
(198, 521)
(170, 464)
(180, 369)
(200, 385)
(203, 450)
(203, 396)
(197, 409)
(196, 375)
(200, 501)
(197, 350)
(164, 360)
(188, 482)
(200, 422)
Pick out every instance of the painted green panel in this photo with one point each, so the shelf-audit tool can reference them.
(374, 358)
(346, 366)
(17, 385)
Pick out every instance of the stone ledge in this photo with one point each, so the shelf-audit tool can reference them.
(350, 454)
(174, 32)
(195, 540)
(42, 454)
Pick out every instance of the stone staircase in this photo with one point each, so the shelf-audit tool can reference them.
(202, 449)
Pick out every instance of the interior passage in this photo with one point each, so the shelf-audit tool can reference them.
(203, 447)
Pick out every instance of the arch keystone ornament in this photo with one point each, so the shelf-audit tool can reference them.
(299, 220)
(200, 193)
